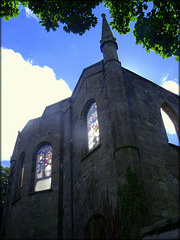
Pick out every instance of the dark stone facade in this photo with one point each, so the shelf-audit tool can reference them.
(131, 133)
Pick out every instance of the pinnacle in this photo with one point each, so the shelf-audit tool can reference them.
(107, 35)
(106, 31)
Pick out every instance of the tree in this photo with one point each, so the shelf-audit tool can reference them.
(4, 183)
(76, 15)
(157, 25)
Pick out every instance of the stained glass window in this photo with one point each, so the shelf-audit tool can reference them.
(43, 168)
(93, 127)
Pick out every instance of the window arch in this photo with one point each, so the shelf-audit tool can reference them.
(93, 127)
(94, 228)
(43, 171)
(19, 177)
(170, 120)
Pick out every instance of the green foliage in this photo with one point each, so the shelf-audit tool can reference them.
(4, 183)
(10, 9)
(76, 16)
(132, 205)
(157, 25)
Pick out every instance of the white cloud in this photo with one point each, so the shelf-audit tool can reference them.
(164, 78)
(29, 61)
(171, 86)
(30, 14)
(26, 91)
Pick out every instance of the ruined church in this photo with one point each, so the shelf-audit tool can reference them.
(67, 164)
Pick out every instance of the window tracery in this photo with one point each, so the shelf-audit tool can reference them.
(43, 171)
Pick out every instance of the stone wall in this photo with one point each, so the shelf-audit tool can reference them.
(166, 229)
(131, 133)
(35, 214)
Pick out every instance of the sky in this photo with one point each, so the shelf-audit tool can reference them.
(39, 68)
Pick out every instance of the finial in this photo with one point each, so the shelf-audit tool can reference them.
(103, 15)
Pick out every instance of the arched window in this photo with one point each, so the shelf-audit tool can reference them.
(19, 177)
(169, 127)
(94, 228)
(93, 127)
(43, 170)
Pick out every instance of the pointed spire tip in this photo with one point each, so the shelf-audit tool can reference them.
(107, 35)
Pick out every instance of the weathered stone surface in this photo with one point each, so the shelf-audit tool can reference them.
(166, 229)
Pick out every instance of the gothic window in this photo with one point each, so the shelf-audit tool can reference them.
(93, 127)
(19, 177)
(169, 127)
(22, 175)
(43, 170)
(94, 228)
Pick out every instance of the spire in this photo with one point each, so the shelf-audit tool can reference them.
(107, 35)
(108, 42)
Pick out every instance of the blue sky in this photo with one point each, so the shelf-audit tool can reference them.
(40, 68)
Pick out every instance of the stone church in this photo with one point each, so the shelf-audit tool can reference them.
(68, 163)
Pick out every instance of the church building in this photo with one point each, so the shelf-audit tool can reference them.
(68, 164)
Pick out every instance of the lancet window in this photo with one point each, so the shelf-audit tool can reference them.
(19, 177)
(93, 127)
(43, 172)
(169, 127)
